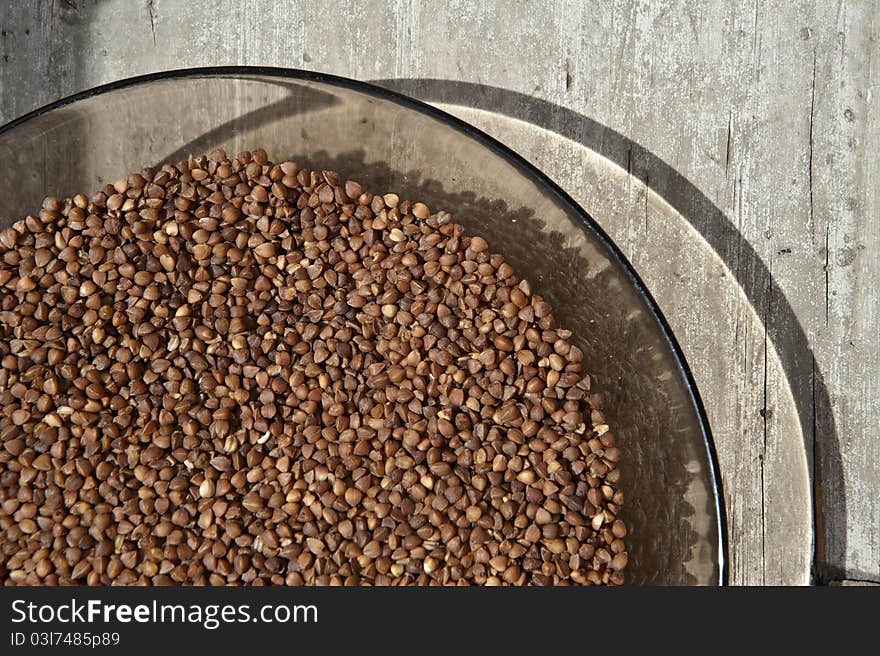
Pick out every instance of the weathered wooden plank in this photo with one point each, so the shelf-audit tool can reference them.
(37, 61)
(846, 209)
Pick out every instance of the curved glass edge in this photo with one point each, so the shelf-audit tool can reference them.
(512, 157)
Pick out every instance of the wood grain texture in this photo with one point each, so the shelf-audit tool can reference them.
(768, 109)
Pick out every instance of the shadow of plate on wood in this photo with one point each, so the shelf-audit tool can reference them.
(780, 465)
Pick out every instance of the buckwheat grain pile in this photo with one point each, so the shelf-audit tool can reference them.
(230, 371)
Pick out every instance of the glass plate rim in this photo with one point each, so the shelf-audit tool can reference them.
(500, 149)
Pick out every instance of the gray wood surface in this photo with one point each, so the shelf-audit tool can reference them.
(728, 148)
